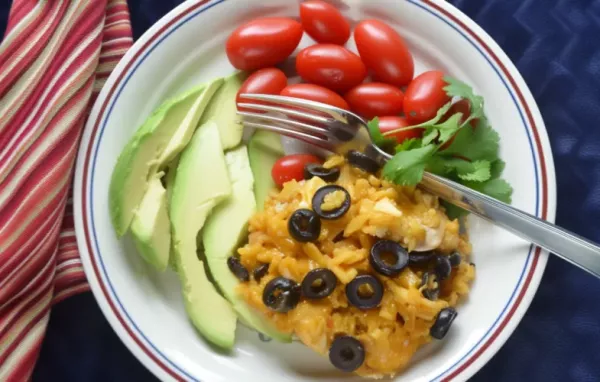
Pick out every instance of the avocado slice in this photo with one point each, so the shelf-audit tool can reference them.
(186, 128)
(150, 226)
(225, 229)
(264, 148)
(223, 110)
(160, 137)
(201, 182)
(169, 180)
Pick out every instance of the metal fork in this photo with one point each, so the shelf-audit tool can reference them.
(338, 131)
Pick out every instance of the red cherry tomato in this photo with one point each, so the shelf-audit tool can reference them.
(263, 81)
(375, 98)
(315, 93)
(425, 96)
(291, 167)
(332, 66)
(324, 23)
(263, 42)
(384, 52)
(390, 123)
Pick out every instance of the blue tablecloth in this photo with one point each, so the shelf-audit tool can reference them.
(556, 46)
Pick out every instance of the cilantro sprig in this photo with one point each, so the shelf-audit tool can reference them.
(465, 150)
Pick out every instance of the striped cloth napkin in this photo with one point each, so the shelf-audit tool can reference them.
(54, 59)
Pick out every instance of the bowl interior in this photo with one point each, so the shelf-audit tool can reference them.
(191, 51)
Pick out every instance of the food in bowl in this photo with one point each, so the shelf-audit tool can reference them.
(334, 264)
(352, 259)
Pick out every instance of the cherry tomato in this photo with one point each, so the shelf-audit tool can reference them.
(384, 52)
(315, 93)
(375, 98)
(332, 66)
(263, 42)
(324, 23)
(390, 123)
(263, 81)
(425, 96)
(291, 167)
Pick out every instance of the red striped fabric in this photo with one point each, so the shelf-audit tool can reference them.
(54, 59)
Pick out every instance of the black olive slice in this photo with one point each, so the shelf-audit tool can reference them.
(304, 225)
(329, 175)
(362, 161)
(455, 259)
(319, 198)
(365, 292)
(388, 257)
(346, 353)
(443, 268)
(318, 283)
(421, 258)
(281, 295)
(259, 272)
(442, 323)
(236, 267)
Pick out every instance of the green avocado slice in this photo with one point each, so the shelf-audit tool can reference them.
(150, 226)
(225, 228)
(223, 110)
(264, 148)
(201, 182)
(164, 134)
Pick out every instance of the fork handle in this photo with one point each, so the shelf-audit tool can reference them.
(567, 245)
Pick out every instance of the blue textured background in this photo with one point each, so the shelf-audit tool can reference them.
(556, 46)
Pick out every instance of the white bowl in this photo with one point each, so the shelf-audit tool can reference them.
(186, 47)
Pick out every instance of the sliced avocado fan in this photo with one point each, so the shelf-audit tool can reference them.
(225, 228)
(160, 138)
(200, 183)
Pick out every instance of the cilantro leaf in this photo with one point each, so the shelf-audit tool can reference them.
(406, 167)
(377, 136)
(439, 115)
(457, 88)
(448, 128)
(479, 143)
(479, 171)
(459, 169)
(409, 144)
(496, 168)
(442, 132)
(496, 188)
(430, 135)
(437, 165)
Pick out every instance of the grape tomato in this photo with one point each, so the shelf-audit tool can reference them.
(291, 167)
(425, 96)
(389, 123)
(331, 66)
(315, 93)
(324, 23)
(263, 81)
(264, 42)
(375, 98)
(384, 52)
